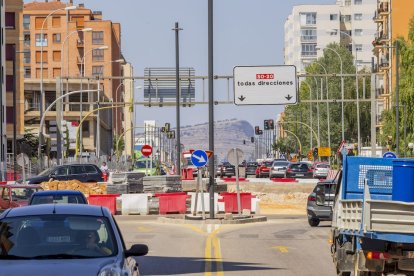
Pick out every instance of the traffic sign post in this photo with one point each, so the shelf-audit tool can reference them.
(199, 158)
(234, 156)
(265, 85)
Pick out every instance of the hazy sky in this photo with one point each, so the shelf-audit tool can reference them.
(246, 32)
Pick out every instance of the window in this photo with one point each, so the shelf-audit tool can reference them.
(97, 55)
(333, 32)
(45, 73)
(344, 32)
(308, 18)
(39, 22)
(346, 18)
(80, 21)
(9, 51)
(56, 22)
(358, 16)
(97, 70)
(40, 41)
(26, 22)
(308, 35)
(38, 57)
(56, 72)
(26, 57)
(9, 83)
(358, 47)
(348, 2)
(26, 41)
(57, 56)
(358, 2)
(62, 171)
(97, 38)
(76, 169)
(333, 17)
(9, 114)
(10, 20)
(27, 72)
(309, 49)
(358, 32)
(56, 38)
(90, 169)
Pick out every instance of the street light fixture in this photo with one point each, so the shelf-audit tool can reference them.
(411, 147)
(84, 30)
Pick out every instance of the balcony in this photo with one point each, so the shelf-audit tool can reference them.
(377, 18)
(380, 91)
(80, 43)
(384, 64)
(383, 8)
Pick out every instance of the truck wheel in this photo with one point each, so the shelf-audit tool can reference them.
(314, 222)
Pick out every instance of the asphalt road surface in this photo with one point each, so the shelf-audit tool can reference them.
(282, 246)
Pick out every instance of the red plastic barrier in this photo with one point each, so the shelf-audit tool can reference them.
(187, 174)
(230, 201)
(108, 201)
(284, 180)
(10, 176)
(169, 194)
(172, 203)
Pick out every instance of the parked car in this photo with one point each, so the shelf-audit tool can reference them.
(278, 169)
(13, 196)
(227, 169)
(81, 172)
(318, 211)
(64, 239)
(61, 196)
(299, 169)
(264, 169)
(320, 170)
(251, 168)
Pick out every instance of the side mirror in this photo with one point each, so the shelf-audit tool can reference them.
(137, 250)
(320, 195)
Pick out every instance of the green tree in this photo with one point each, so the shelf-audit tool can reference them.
(406, 97)
(304, 111)
(118, 144)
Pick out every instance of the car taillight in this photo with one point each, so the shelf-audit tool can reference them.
(311, 198)
(310, 170)
(373, 255)
(290, 170)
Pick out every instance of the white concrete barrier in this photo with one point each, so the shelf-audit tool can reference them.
(134, 204)
(206, 202)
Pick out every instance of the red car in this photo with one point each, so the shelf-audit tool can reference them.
(12, 196)
(263, 169)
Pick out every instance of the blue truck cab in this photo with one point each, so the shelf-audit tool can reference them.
(373, 217)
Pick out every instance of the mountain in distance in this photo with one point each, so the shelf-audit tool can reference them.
(228, 134)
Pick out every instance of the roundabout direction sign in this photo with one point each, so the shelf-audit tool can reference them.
(199, 158)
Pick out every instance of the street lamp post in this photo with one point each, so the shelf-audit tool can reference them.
(310, 110)
(116, 109)
(342, 92)
(327, 104)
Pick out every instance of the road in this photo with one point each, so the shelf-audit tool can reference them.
(282, 246)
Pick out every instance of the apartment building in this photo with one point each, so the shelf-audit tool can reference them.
(65, 43)
(392, 18)
(3, 137)
(13, 73)
(312, 27)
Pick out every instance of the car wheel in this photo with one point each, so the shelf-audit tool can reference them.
(313, 222)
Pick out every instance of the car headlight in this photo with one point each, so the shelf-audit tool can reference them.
(110, 270)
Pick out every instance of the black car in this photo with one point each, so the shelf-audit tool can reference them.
(320, 202)
(81, 172)
(251, 168)
(299, 169)
(227, 169)
(61, 196)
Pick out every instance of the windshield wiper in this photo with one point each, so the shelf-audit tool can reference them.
(13, 257)
(62, 256)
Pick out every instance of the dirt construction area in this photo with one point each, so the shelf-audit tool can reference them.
(278, 197)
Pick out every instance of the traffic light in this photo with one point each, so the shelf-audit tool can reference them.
(244, 142)
(163, 129)
(266, 124)
(43, 148)
(260, 132)
(271, 124)
(315, 151)
(252, 139)
(256, 130)
(167, 127)
(171, 134)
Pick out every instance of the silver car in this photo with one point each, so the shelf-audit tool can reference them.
(278, 169)
(64, 239)
(320, 170)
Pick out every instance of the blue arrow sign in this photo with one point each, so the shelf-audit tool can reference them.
(199, 158)
(389, 154)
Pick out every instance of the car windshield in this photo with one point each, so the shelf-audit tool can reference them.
(45, 199)
(252, 164)
(46, 172)
(56, 237)
(322, 166)
(267, 163)
(280, 164)
(19, 194)
(299, 166)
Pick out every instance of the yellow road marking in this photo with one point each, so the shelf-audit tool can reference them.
(195, 229)
(281, 249)
(144, 229)
(217, 253)
(207, 257)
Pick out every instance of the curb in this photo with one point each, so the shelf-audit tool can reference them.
(212, 221)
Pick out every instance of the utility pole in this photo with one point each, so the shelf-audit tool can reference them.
(397, 99)
(211, 106)
(178, 96)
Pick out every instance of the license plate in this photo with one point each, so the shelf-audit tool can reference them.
(300, 174)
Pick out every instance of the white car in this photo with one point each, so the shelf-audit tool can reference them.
(320, 170)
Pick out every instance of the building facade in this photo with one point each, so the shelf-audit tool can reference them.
(71, 49)
(312, 27)
(3, 136)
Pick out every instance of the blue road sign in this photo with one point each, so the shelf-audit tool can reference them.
(389, 154)
(199, 158)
